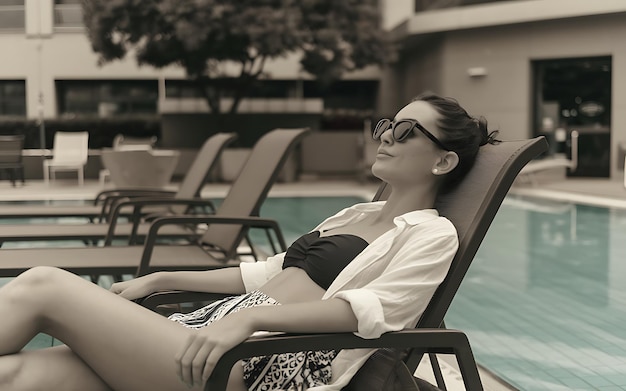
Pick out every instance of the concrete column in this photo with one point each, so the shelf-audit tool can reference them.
(39, 18)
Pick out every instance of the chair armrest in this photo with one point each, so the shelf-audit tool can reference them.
(108, 197)
(444, 341)
(138, 204)
(104, 194)
(250, 222)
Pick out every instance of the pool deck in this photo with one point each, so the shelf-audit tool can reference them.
(609, 192)
(605, 192)
(602, 191)
(69, 190)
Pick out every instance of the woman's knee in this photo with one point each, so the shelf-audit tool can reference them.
(35, 283)
(42, 275)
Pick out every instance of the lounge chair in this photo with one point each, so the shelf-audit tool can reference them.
(471, 207)
(169, 203)
(216, 248)
(558, 161)
(190, 187)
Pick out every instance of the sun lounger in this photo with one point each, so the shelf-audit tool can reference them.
(215, 249)
(144, 200)
(190, 187)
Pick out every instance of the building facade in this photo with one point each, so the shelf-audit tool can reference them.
(532, 67)
(49, 71)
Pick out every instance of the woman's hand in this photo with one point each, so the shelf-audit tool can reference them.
(136, 288)
(204, 347)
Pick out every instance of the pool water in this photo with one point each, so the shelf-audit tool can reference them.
(544, 302)
(299, 215)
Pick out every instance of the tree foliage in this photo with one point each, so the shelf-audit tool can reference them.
(332, 37)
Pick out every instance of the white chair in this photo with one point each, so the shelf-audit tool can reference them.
(69, 154)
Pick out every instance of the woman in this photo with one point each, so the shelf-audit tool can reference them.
(364, 270)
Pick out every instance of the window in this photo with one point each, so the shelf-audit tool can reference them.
(104, 98)
(259, 89)
(344, 94)
(573, 92)
(12, 16)
(68, 13)
(182, 89)
(12, 98)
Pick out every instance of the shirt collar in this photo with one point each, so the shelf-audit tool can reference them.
(412, 218)
(417, 216)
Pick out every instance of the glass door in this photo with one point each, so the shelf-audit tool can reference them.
(575, 94)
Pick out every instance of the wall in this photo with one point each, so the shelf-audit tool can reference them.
(332, 153)
(190, 130)
(421, 69)
(33, 166)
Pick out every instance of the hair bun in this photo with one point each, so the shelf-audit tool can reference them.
(486, 136)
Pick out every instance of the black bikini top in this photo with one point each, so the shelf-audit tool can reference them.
(323, 258)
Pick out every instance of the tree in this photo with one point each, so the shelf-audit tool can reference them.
(202, 36)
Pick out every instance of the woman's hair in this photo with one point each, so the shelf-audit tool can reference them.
(460, 132)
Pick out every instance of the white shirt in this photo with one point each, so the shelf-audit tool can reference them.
(388, 285)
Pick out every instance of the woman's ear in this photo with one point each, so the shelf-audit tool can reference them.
(446, 163)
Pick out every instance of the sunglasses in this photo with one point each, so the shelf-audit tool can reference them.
(403, 129)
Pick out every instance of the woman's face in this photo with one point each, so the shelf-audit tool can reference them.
(414, 158)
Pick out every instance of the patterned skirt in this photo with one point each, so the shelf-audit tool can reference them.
(285, 371)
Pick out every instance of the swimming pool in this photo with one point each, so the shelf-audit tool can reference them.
(543, 303)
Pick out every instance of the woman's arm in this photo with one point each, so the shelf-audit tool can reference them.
(320, 316)
(230, 280)
(227, 280)
(198, 356)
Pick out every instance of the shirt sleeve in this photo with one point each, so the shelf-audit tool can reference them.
(400, 294)
(255, 274)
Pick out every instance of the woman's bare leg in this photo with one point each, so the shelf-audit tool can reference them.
(126, 347)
